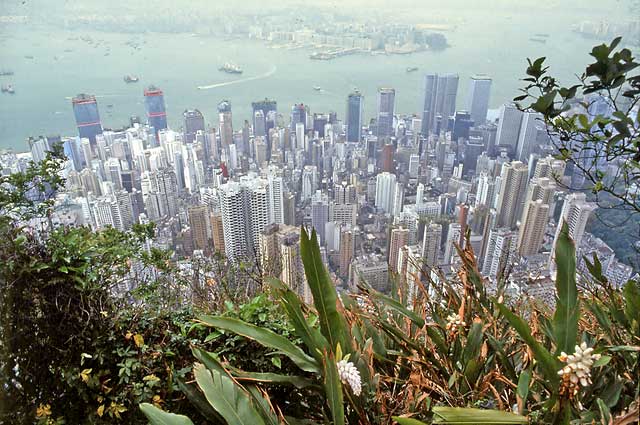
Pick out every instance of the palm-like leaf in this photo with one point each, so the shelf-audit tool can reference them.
(565, 319)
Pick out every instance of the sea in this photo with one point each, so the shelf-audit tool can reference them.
(53, 64)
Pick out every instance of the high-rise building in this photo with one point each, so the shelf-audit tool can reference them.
(385, 191)
(399, 238)
(85, 110)
(354, 116)
(260, 124)
(347, 250)
(276, 199)
(478, 98)
(501, 252)
(531, 135)
(509, 126)
(298, 115)
(575, 212)
(532, 228)
(267, 106)
(198, 223)
(217, 232)
(193, 122)
(431, 244)
(454, 236)
(513, 183)
(386, 108)
(155, 108)
(320, 214)
(439, 100)
(225, 120)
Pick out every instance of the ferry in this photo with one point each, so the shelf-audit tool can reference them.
(4, 72)
(317, 88)
(7, 89)
(538, 40)
(230, 68)
(412, 68)
(131, 79)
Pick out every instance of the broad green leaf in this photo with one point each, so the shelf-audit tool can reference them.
(408, 421)
(230, 400)
(333, 389)
(547, 362)
(565, 318)
(396, 306)
(265, 337)
(632, 302)
(604, 411)
(198, 400)
(292, 306)
(474, 342)
(523, 389)
(459, 415)
(271, 378)
(160, 417)
(325, 298)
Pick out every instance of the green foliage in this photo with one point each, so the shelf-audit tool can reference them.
(591, 142)
(565, 319)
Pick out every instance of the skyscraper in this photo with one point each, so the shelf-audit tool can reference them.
(399, 238)
(431, 244)
(354, 115)
(298, 115)
(385, 190)
(513, 183)
(265, 106)
(85, 110)
(276, 199)
(193, 122)
(532, 228)
(226, 123)
(530, 136)
(439, 99)
(575, 212)
(509, 126)
(198, 220)
(478, 98)
(386, 108)
(500, 252)
(156, 111)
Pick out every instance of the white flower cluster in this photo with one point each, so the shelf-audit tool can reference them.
(455, 322)
(578, 368)
(350, 375)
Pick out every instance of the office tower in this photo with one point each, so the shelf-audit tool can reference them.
(478, 98)
(226, 124)
(419, 195)
(217, 232)
(193, 122)
(289, 209)
(260, 151)
(346, 214)
(344, 193)
(319, 123)
(268, 108)
(532, 135)
(309, 182)
(398, 199)
(386, 108)
(385, 190)
(509, 126)
(414, 165)
(320, 214)
(260, 126)
(501, 252)
(387, 158)
(462, 122)
(453, 238)
(155, 108)
(161, 192)
(431, 242)
(370, 270)
(276, 199)
(87, 153)
(513, 183)
(439, 100)
(354, 116)
(347, 250)
(486, 192)
(198, 220)
(472, 149)
(85, 110)
(532, 228)
(298, 115)
(399, 238)
(575, 212)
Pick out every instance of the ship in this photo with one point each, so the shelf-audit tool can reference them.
(230, 68)
(4, 72)
(317, 88)
(131, 79)
(7, 89)
(412, 68)
(538, 40)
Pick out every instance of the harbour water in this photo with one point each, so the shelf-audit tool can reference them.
(51, 65)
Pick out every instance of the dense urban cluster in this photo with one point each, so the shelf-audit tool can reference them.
(395, 195)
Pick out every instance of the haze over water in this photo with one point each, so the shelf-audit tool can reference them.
(483, 41)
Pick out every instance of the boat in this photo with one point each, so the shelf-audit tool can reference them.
(412, 68)
(131, 79)
(230, 68)
(8, 88)
(317, 88)
(542, 34)
(4, 72)
(28, 57)
(538, 40)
